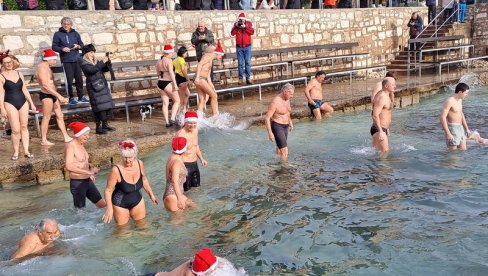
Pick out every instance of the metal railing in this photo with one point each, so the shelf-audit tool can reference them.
(350, 72)
(326, 58)
(469, 60)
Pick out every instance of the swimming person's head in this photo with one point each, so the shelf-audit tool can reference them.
(128, 148)
(461, 87)
(48, 230)
(179, 145)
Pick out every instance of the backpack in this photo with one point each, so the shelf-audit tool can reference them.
(27, 4)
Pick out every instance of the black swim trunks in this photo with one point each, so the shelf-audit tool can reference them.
(179, 79)
(193, 177)
(280, 132)
(43, 96)
(374, 129)
(162, 84)
(81, 189)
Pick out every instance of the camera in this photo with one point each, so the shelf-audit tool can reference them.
(241, 23)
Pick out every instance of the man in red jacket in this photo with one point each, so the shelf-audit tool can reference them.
(243, 30)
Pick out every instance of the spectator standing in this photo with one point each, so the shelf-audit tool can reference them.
(455, 11)
(448, 9)
(201, 38)
(416, 25)
(246, 4)
(243, 30)
(97, 87)
(219, 4)
(330, 4)
(431, 4)
(67, 42)
(462, 10)
(267, 5)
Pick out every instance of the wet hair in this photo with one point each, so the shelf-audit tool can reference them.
(391, 74)
(66, 19)
(41, 227)
(461, 87)
(128, 148)
(320, 73)
(181, 51)
(287, 87)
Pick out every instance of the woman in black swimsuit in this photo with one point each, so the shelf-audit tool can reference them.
(14, 105)
(167, 85)
(122, 194)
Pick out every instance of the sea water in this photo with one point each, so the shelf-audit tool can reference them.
(336, 207)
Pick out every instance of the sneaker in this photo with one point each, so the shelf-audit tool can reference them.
(249, 81)
(72, 101)
(84, 99)
(241, 81)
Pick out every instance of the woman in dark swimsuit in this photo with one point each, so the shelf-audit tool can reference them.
(14, 105)
(122, 194)
(167, 85)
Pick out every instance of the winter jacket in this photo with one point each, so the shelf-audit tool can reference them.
(243, 35)
(99, 100)
(63, 39)
(431, 2)
(219, 4)
(416, 26)
(201, 44)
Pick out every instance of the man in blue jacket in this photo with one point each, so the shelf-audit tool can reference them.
(67, 42)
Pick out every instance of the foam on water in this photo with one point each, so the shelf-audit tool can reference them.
(471, 79)
(220, 121)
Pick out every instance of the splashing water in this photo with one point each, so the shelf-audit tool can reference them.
(471, 79)
(220, 121)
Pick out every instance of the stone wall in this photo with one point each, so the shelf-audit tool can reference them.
(140, 35)
(480, 31)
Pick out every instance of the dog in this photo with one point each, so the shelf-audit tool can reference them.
(146, 110)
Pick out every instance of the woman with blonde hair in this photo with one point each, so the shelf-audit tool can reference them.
(15, 101)
(174, 199)
(168, 88)
(122, 194)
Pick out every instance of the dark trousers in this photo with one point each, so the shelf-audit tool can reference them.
(101, 116)
(431, 12)
(73, 71)
(447, 13)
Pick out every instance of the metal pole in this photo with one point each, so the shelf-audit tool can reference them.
(260, 98)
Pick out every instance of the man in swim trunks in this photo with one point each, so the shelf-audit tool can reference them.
(382, 107)
(203, 82)
(190, 132)
(50, 98)
(278, 120)
(81, 176)
(453, 121)
(39, 239)
(313, 93)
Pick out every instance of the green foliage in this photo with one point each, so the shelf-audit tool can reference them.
(12, 5)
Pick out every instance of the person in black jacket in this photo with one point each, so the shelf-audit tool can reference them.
(67, 42)
(97, 87)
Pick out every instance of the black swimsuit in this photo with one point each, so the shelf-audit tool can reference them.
(127, 195)
(13, 92)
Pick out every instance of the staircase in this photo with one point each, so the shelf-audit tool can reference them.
(451, 44)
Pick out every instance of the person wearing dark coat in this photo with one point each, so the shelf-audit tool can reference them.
(97, 87)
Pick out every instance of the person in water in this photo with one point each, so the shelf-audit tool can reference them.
(42, 237)
(193, 152)
(122, 194)
(475, 136)
(82, 176)
(378, 86)
(453, 121)
(278, 120)
(313, 93)
(204, 263)
(382, 109)
(176, 173)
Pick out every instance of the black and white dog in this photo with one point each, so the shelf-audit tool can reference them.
(146, 110)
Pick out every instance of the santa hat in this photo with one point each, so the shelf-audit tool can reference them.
(219, 51)
(242, 16)
(203, 262)
(179, 145)
(168, 49)
(49, 54)
(191, 117)
(79, 128)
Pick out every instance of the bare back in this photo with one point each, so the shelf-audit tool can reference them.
(164, 66)
(190, 155)
(30, 244)
(79, 158)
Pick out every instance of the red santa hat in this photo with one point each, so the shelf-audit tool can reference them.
(168, 49)
(242, 16)
(179, 145)
(191, 117)
(203, 262)
(49, 54)
(219, 51)
(79, 128)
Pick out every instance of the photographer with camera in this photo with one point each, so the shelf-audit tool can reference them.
(243, 30)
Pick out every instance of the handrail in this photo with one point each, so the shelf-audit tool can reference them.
(332, 58)
(458, 61)
(435, 20)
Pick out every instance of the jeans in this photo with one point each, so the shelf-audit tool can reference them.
(244, 61)
(73, 71)
(462, 11)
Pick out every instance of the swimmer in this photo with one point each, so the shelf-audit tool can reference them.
(453, 121)
(313, 93)
(204, 263)
(378, 87)
(278, 120)
(42, 237)
(82, 176)
(122, 193)
(203, 81)
(475, 136)
(190, 156)
(382, 109)
(176, 173)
